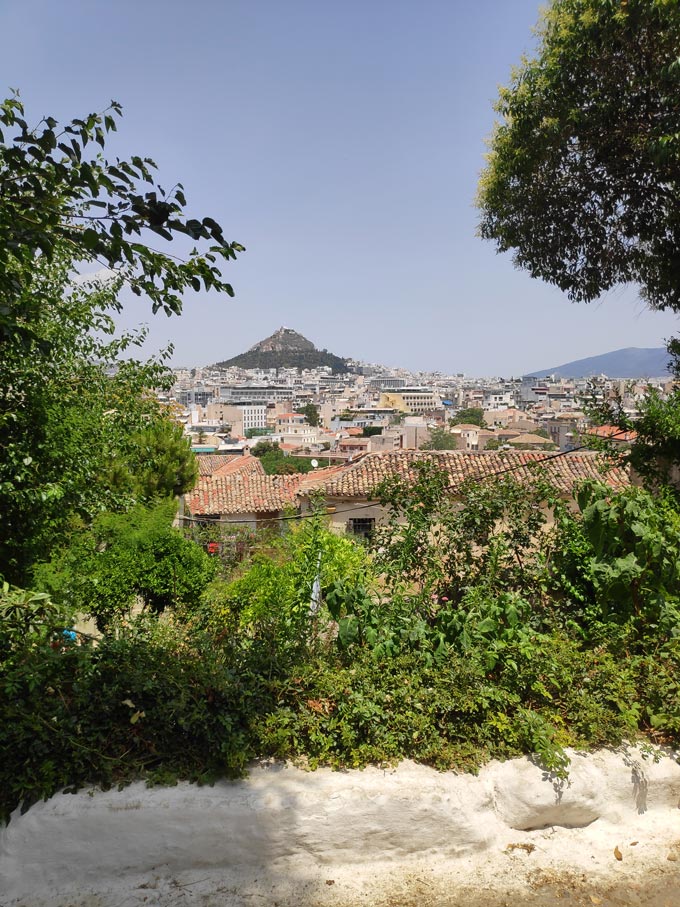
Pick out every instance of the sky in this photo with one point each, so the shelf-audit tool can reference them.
(341, 144)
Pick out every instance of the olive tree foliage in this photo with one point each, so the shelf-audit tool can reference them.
(440, 439)
(583, 168)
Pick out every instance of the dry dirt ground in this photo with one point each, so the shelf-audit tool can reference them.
(658, 887)
(545, 889)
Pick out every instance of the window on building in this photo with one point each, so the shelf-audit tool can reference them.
(363, 527)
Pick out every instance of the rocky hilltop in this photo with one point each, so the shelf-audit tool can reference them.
(285, 349)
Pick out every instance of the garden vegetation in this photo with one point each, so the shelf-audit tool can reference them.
(469, 629)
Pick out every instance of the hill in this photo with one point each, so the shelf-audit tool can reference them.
(631, 362)
(285, 349)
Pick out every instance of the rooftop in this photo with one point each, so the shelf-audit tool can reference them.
(565, 471)
(246, 492)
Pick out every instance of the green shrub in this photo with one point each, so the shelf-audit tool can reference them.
(124, 558)
(148, 699)
(617, 566)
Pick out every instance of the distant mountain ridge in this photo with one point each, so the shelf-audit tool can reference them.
(285, 348)
(631, 362)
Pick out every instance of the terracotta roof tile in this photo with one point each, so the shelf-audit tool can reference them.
(253, 492)
(243, 492)
(360, 479)
(529, 439)
(320, 477)
(208, 463)
(613, 432)
(245, 463)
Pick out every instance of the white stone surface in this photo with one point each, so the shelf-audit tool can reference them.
(287, 834)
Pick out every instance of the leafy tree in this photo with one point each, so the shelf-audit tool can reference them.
(472, 415)
(311, 413)
(276, 463)
(584, 166)
(125, 557)
(446, 540)
(440, 439)
(162, 462)
(71, 411)
(59, 193)
(80, 430)
(266, 447)
(619, 564)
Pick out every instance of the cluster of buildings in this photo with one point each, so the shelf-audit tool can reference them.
(372, 424)
(373, 409)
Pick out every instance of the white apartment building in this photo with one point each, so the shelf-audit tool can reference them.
(253, 393)
(243, 416)
(495, 399)
(293, 428)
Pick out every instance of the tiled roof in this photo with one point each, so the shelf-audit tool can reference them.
(255, 492)
(243, 492)
(564, 471)
(245, 463)
(613, 432)
(529, 439)
(226, 464)
(208, 463)
(320, 477)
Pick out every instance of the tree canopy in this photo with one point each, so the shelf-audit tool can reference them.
(275, 462)
(59, 192)
(440, 439)
(81, 430)
(584, 166)
(311, 413)
(471, 415)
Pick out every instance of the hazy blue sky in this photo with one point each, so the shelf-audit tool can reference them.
(340, 142)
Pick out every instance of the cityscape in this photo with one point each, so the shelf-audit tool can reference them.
(369, 408)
